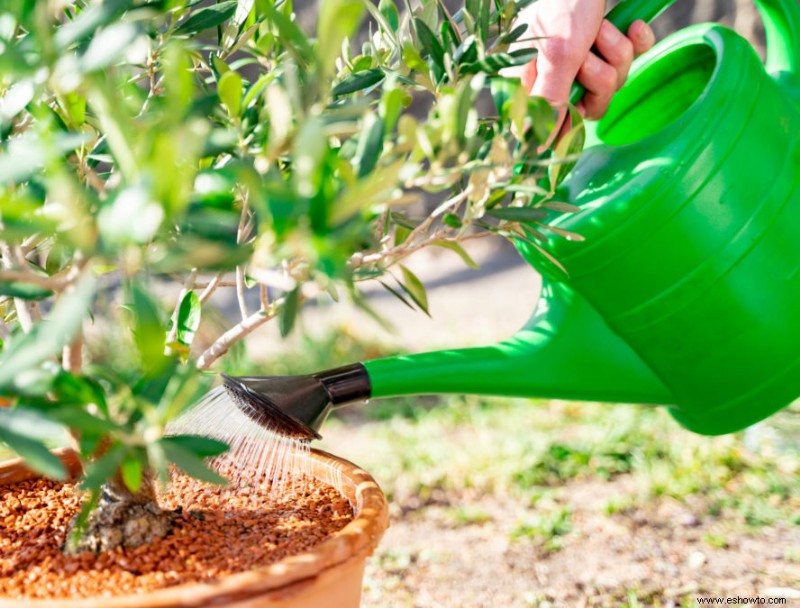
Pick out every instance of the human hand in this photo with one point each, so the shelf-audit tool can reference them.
(567, 31)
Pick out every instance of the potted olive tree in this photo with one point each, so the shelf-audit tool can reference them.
(153, 152)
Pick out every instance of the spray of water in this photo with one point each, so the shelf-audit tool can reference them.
(258, 453)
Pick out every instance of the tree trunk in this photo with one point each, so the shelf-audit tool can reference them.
(123, 518)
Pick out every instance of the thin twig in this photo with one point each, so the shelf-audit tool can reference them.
(23, 307)
(240, 292)
(222, 344)
(263, 293)
(72, 357)
(211, 288)
(245, 225)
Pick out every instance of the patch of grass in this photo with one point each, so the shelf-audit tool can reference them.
(715, 540)
(792, 555)
(546, 529)
(468, 515)
(621, 504)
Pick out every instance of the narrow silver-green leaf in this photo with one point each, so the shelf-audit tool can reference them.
(414, 288)
(208, 17)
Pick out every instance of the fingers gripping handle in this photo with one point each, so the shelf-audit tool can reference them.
(622, 17)
(781, 23)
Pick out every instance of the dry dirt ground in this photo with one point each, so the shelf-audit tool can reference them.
(647, 557)
(661, 554)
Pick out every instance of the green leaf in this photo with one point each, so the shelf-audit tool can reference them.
(75, 418)
(517, 214)
(198, 445)
(413, 59)
(25, 291)
(102, 469)
(392, 103)
(358, 81)
(514, 34)
(492, 64)
(370, 145)
(291, 35)
(288, 312)
(230, 90)
(397, 295)
(15, 99)
(25, 430)
(109, 45)
(35, 453)
(431, 45)
(88, 21)
(338, 19)
(415, 289)
(452, 220)
(562, 207)
(389, 12)
(148, 330)
(132, 216)
(459, 250)
(566, 151)
(48, 337)
(131, 470)
(188, 320)
(503, 90)
(190, 463)
(208, 17)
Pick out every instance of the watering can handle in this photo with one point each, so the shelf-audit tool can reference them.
(622, 17)
(781, 23)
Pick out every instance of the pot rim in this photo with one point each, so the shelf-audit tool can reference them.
(356, 540)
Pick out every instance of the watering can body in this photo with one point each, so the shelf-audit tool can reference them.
(686, 289)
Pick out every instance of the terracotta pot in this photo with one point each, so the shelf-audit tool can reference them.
(329, 575)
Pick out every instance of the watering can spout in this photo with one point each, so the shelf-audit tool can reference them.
(566, 351)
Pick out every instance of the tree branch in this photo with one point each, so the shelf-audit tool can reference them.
(222, 344)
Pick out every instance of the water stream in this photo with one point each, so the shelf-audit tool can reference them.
(257, 453)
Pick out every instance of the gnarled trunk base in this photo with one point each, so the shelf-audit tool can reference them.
(123, 519)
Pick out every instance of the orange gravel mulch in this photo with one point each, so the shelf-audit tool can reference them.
(216, 532)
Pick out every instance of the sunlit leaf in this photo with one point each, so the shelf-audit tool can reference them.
(103, 468)
(338, 19)
(131, 471)
(26, 291)
(108, 46)
(230, 90)
(48, 337)
(148, 330)
(455, 247)
(207, 17)
(198, 445)
(25, 430)
(370, 144)
(517, 214)
(188, 319)
(358, 82)
(288, 313)
(415, 289)
(190, 463)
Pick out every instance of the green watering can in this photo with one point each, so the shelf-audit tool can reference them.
(686, 291)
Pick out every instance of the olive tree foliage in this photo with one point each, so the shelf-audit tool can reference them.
(220, 146)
